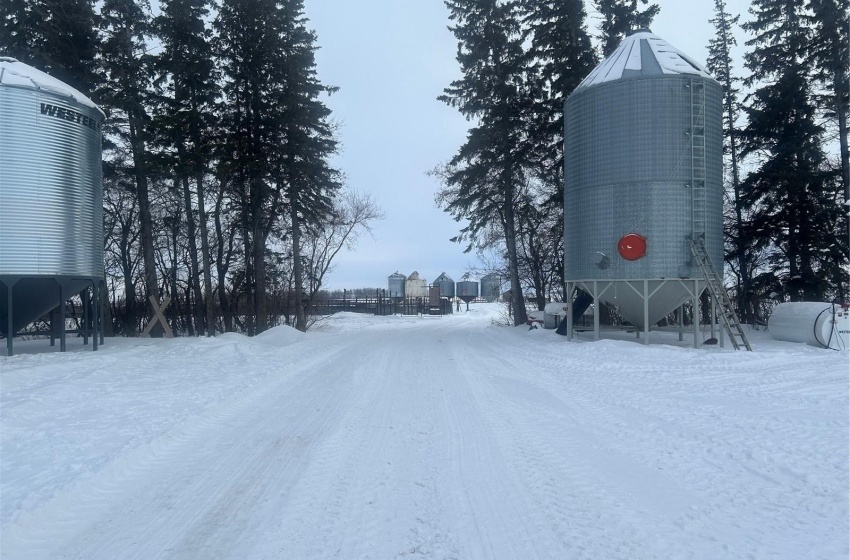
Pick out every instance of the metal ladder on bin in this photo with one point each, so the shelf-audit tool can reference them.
(718, 292)
(698, 164)
(698, 218)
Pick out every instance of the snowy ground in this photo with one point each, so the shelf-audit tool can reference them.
(391, 437)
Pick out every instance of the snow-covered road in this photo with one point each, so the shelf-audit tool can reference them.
(391, 437)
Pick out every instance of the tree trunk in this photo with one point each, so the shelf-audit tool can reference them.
(195, 280)
(145, 220)
(261, 322)
(297, 269)
(517, 299)
(174, 308)
(222, 266)
(741, 243)
(249, 279)
(209, 319)
(841, 110)
(842, 103)
(129, 319)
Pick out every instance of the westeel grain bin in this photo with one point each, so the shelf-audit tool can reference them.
(491, 287)
(395, 285)
(446, 284)
(51, 210)
(643, 176)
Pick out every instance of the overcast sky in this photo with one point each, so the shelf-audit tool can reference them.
(391, 59)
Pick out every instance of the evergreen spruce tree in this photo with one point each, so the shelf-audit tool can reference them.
(720, 66)
(794, 203)
(563, 56)
(245, 44)
(830, 56)
(307, 140)
(19, 30)
(621, 17)
(56, 36)
(186, 66)
(276, 134)
(483, 181)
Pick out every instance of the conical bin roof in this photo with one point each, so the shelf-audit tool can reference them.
(642, 54)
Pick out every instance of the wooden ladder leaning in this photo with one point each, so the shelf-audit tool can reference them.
(718, 293)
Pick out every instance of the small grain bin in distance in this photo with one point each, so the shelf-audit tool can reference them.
(395, 285)
(824, 325)
(51, 210)
(491, 287)
(415, 286)
(446, 285)
(466, 290)
(643, 176)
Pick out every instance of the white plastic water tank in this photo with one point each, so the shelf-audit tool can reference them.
(554, 314)
(824, 325)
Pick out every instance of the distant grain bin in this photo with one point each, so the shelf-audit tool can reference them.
(395, 285)
(446, 284)
(643, 176)
(415, 286)
(491, 287)
(51, 210)
(467, 290)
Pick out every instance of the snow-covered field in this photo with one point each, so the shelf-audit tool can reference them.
(393, 437)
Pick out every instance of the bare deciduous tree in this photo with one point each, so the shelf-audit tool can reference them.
(353, 215)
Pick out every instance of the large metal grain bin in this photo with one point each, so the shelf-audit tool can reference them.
(446, 284)
(643, 176)
(51, 211)
(395, 285)
(491, 287)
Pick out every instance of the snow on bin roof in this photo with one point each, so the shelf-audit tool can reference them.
(643, 54)
(17, 74)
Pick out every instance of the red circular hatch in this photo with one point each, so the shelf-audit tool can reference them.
(632, 246)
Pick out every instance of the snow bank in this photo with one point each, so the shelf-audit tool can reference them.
(282, 335)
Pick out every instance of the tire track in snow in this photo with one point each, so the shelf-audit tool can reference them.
(95, 517)
(703, 461)
(712, 446)
(364, 496)
(505, 528)
(317, 501)
(559, 469)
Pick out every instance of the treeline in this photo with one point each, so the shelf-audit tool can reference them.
(785, 224)
(218, 187)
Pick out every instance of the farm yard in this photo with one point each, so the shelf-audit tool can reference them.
(450, 437)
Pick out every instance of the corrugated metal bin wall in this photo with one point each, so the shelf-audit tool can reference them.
(627, 170)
